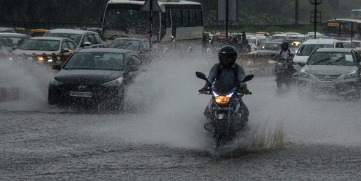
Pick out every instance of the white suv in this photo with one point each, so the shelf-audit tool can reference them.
(308, 46)
(82, 38)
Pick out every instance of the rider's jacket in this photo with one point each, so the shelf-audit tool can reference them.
(286, 53)
(227, 76)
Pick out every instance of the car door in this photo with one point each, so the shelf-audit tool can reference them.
(67, 49)
(358, 64)
(132, 67)
(95, 42)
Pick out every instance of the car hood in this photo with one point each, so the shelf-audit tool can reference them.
(264, 52)
(300, 59)
(29, 52)
(87, 77)
(328, 69)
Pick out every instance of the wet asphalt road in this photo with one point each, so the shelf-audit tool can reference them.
(292, 140)
(161, 137)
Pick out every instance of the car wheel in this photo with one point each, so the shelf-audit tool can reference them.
(355, 96)
(52, 98)
(118, 103)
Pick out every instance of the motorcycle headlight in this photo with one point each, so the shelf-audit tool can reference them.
(55, 82)
(304, 74)
(222, 100)
(116, 82)
(350, 75)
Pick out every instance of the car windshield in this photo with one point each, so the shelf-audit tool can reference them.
(331, 58)
(126, 44)
(306, 50)
(11, 41)
(96, 61)
(270, 46)
(42, 45)
(74, 37)
(351, 45)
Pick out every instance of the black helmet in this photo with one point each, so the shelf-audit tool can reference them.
(227, 55)
(284, 45)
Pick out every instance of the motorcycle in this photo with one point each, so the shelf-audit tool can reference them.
(223, 112)
(284, 72)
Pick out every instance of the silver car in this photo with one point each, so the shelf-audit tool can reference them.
(334, 71)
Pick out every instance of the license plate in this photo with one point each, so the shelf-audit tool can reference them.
(326, 84)
(219, 116)
(80, 94)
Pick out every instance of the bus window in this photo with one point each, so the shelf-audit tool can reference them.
(199, 17)
(177, 20)
(192, 18)
(167, 19)
(185, 16)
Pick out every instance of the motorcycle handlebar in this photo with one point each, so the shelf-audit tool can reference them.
(239, 93)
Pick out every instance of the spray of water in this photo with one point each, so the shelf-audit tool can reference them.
(30, 78)
(163, 107)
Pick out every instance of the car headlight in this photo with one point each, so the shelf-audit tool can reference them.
(350, 75)
(116, 82)
(55, 82)
(304, 74)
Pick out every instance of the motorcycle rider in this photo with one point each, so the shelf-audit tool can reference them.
(285, 54)
(227, 73)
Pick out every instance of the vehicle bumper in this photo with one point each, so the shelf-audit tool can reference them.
(93, 95)
(340, 88)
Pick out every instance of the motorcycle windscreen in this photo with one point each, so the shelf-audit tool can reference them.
(223, 89)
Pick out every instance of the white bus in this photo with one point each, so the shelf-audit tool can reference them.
(178, 20)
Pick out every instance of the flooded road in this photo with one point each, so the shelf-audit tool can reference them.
(160, 136)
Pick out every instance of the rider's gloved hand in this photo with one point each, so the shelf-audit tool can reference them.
(244, 89)
(205, 88)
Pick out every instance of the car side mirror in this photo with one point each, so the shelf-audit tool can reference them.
(302, 64)
(65, 50)
(85, 44)
(15, 47)
(57, 66)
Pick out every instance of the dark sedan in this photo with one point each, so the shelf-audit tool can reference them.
(94, 77)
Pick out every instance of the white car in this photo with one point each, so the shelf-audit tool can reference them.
(334, 71)
(309, 46)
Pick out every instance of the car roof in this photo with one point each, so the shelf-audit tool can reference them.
(320, 41)
(13, 34)
(48, 38)
(338, 50)
(138, 39)
(73, 31)
(110, 50)
(272, 42)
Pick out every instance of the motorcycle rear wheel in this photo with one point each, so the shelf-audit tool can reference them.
(279, 84)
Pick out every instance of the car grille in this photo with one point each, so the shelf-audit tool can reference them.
(327, 77)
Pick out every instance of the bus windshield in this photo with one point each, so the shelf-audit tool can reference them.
(129, 18)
